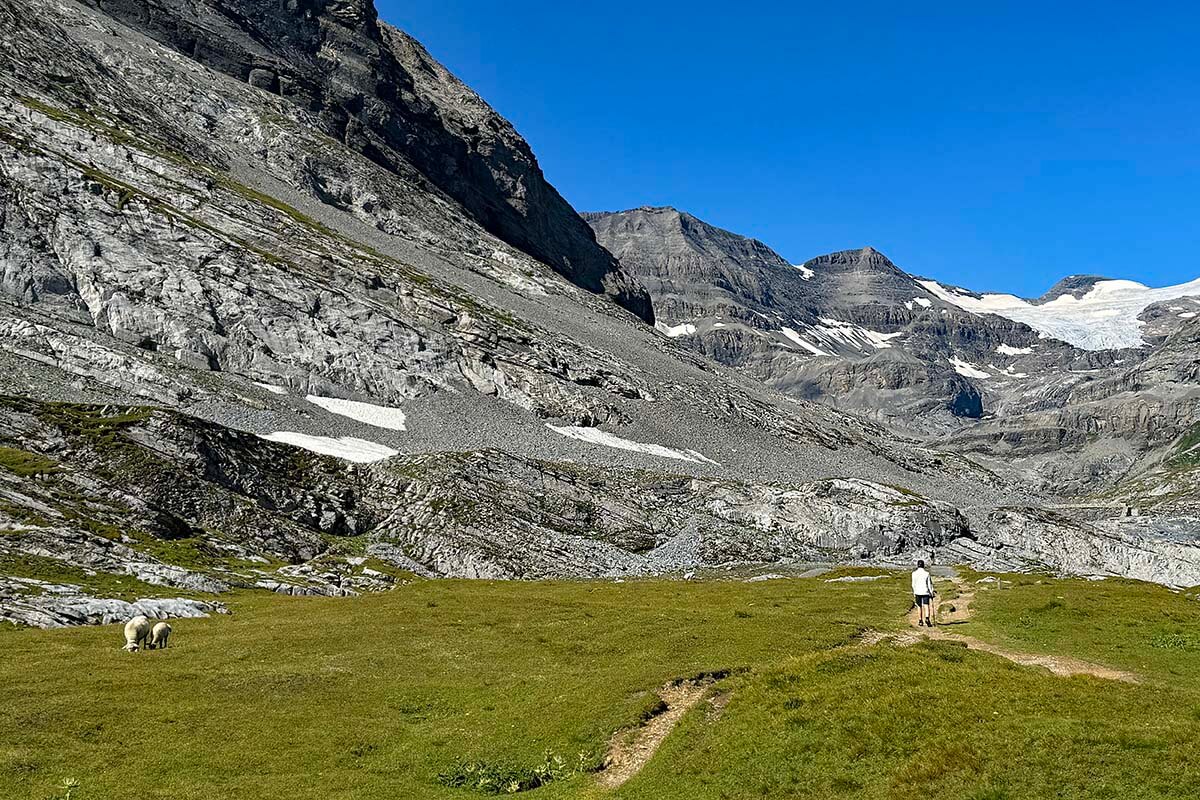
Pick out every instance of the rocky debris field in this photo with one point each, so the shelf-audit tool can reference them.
(104, 509)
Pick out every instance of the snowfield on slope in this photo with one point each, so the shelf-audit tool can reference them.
(367, 413)
(798, 339)
(853, 335)
(675, 331)
(1106, 318)
(360, 451)
(597, 436)
(967, 369)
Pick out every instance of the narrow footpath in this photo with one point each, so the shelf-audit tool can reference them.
(1059, 665)
(630, 750)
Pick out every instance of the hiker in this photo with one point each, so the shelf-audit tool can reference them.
(922, 586)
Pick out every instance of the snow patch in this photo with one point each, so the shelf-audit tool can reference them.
(855, 335)
(360, 451)
(1007, 350)
(1011, 371)
(1187, 315)
(606, 439)
(675, 331)
(967, 369)
(270, 387)
(367, 413)
(1105, 318)
(795, 337)
(805, 272)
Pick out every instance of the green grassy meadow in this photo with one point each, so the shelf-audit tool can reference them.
(404, 694)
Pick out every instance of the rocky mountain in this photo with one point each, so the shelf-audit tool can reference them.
(1025, 384)
(377, 92)
(1076, 286)
(284, 306)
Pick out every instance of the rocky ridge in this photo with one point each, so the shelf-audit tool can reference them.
(224, 222)
(853, 330)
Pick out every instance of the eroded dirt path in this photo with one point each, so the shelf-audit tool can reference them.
(632, 748)
(958, 610)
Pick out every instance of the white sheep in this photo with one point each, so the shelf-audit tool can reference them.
(159, 635)
(137, 633)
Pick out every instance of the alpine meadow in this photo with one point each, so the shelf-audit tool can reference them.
(444, 488)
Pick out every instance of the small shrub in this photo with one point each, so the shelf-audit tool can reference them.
(740, 614)
(1176, 641)
(69, 787)
(497, 778)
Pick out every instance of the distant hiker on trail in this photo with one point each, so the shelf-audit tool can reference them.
(922, 586)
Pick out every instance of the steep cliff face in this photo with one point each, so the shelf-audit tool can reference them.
(692, 268)
(377, 91)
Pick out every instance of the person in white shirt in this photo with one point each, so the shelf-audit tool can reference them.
(922, 586)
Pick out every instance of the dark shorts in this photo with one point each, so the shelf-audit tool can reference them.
(924, 599)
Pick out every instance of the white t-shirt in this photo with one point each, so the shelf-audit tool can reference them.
(922, 583)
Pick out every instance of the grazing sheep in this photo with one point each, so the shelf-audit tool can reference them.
(159, 635)
(137, 633)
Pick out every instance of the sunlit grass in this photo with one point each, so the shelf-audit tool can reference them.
(378, 696)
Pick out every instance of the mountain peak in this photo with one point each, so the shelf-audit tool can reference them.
(864, 259)
(1075, 285)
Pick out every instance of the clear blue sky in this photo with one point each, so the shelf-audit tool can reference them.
(996, 145)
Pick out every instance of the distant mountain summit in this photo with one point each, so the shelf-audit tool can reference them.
(691, 267)
(998, 374)
(1075, 285)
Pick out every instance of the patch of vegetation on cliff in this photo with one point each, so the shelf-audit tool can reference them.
(25, 464)
(1187, 452)
(98, 425)
(99, 584)
(23, 515)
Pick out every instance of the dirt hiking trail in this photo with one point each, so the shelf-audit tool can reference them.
(959, 611)
(632, 748)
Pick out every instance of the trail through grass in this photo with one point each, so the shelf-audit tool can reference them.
(401, 694)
